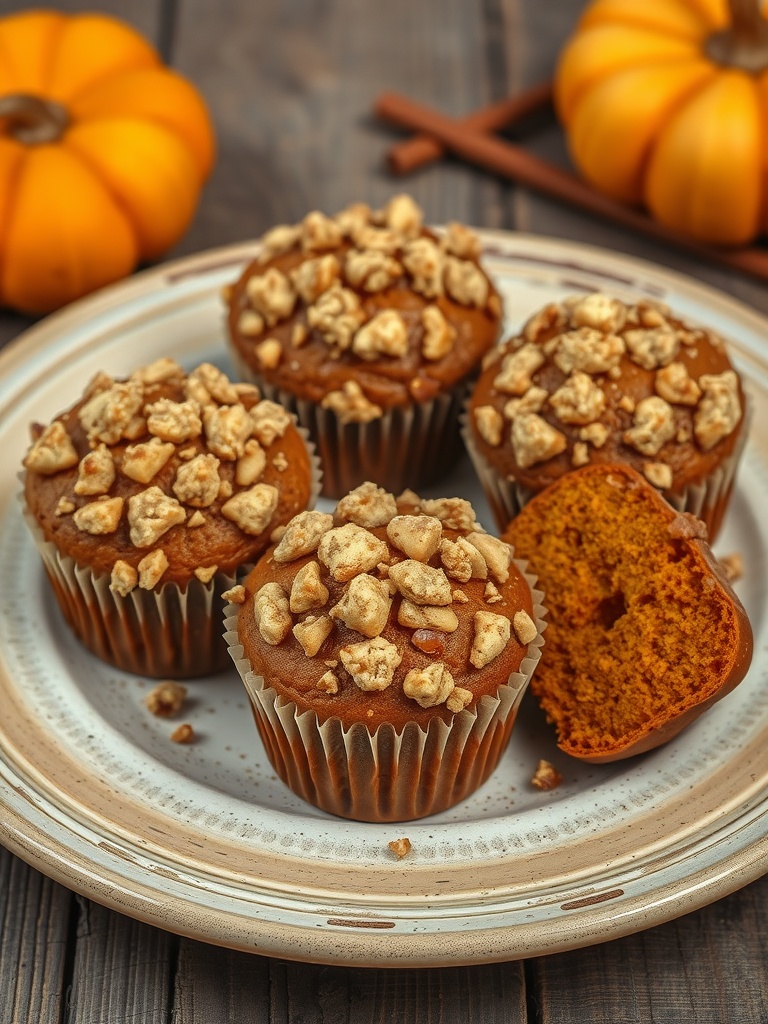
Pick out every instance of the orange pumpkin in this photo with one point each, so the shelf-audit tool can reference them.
(665, 103)
(103, 153)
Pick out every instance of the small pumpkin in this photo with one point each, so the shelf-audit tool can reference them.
(665, 103)
(103, 153)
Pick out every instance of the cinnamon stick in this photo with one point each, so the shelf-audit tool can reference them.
(511, 161)
(423, 149)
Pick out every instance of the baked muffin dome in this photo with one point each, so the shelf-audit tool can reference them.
(394, 623)
(367, 325)
(595, 380)
(644, 631)
(156, 488)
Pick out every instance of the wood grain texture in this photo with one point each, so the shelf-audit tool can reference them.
(291, 87)
(290, 84)
(122, 970)
(34, 944)
(707, 966)
(216, 986)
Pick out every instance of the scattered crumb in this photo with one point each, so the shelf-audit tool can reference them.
(183, 734)
(733, 566)
(166, 699)
(546, 776)
(400, 847)
(236, 595)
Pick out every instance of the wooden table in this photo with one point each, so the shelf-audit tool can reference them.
(291, 84)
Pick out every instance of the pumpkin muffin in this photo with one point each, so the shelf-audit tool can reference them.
(385, 648)
(594, 380)
(644, 630)
(367, 326)
(146, 499)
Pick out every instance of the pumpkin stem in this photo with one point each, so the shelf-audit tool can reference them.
(32, 121)
(744, 44)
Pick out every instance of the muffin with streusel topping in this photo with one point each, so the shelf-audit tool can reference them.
(385, 648)
(367, 326)
(148, 497)
(596, 380)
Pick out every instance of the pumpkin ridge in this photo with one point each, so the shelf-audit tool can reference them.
(9, 186)
(137, 213)
(588, 133)
(634, 15)
(92, 168)
(675, 107)
(176, 106)
(36, 19)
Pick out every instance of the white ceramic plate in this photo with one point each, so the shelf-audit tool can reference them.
(205, 841)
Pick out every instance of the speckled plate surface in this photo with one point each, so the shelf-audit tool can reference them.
(205, 841)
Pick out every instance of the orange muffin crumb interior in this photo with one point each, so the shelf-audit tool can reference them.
(642, 627)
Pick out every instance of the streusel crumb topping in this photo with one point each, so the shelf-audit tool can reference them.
(159, 452)
(562, 388)
(335, 277)
(373, 598)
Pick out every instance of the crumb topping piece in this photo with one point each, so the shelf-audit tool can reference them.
(534, 440)
(349, 550)
(303, 535)
(183, 733)
(492, 633)
(99, 517)
(429, 686)
(368, 506)
(422, 584)
(311, 633)
(308, 590)
(364, 606)
(142, 462)
(462, 560)
(52, 452)
(272, 613)
(124, 578)
(490, 424)
(108, 413)
(371, 663)
(418, 537)
(252, 510)
(546, 776)
(152, 568)
(151, 513)
(351, 404)
(719, 411)
(96, 472)
(400, 847)
(166, 699)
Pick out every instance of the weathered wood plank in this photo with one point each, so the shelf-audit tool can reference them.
(122, 970)
(291, 86)
(34, 932)
(218, 986)
(707, 966)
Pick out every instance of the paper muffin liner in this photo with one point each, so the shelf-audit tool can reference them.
(707, 500)
(385, 776)
(172, 632)
(408, 446)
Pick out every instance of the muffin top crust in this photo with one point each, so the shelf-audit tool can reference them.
(596, 380)
(388, 610)
(166, 476)
(365, 310)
